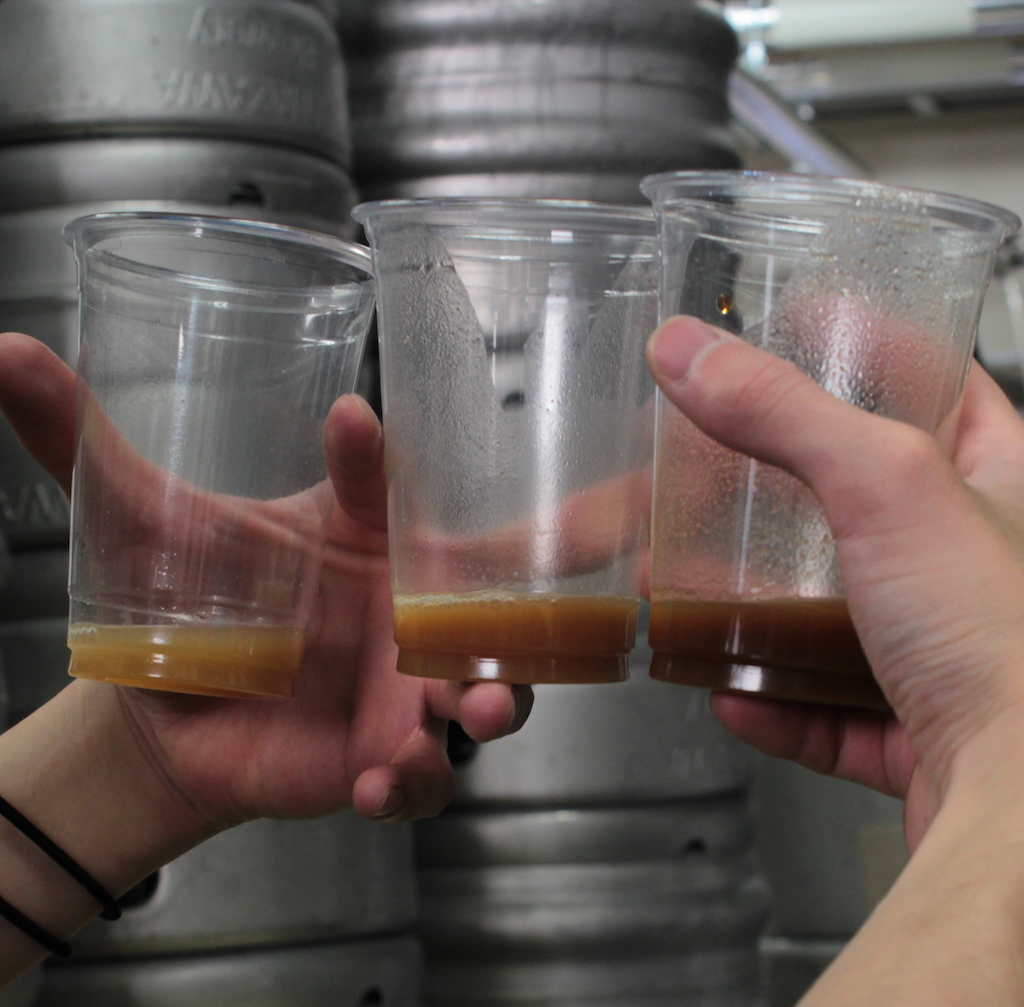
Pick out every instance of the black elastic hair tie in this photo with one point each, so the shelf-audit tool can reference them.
(111, 910)
(42, 937)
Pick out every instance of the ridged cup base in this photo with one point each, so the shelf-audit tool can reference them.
(774, 683)
(516, 669)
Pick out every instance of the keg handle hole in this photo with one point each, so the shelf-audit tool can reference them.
(695, 847)
(247, 194)
(373, 997)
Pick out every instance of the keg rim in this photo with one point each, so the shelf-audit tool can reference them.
(683, 189)
(511, 210)
(84, 233)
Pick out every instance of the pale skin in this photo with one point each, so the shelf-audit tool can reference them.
(932, 558)
(125, 780)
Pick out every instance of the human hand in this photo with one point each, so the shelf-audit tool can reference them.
(357, 732)
(931, 553)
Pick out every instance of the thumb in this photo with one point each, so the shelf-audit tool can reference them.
(862, 468)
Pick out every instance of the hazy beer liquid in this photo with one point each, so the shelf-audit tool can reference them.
(524, 638)
(788, 648)
(231, 661)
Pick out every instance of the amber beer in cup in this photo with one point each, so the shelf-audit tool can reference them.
(873, 291)
(518, 416)
(211, 352)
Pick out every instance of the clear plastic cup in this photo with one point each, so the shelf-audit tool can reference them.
(873, 291)
(211, 352)
(518, 416)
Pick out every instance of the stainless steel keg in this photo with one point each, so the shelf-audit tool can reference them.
(592, 905)
(43, 186)
(570, 98)
(232, 176)
(716, 827)
(264, 70)
(328, 8)
(372, 973)
(830, 849)
(22, 992)
(33, 508)
(269, 882)
(352, 18)
(792, 966)
(35, 659)
(631, 743)
(34, 629)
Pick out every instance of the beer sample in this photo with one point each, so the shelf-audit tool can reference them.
(788, 648)
(205, 660)
(517, 638)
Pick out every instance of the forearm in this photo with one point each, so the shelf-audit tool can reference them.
(78, 769)
(951, 931)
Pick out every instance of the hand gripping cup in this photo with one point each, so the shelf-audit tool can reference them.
(518, 418)
(211, 352)
(873, 291)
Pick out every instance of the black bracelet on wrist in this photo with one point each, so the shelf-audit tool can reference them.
(111, 910)
(42, 937)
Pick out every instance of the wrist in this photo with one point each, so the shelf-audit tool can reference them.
(976, 841)
(948, 933)
(82, 771)
(986, 775)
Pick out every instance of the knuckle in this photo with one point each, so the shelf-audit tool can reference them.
(902, 468)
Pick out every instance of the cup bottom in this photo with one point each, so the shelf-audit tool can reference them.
(803, 686)
(226, 661)
(244, 690)
(516, 669)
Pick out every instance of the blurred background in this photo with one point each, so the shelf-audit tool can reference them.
(621, 850)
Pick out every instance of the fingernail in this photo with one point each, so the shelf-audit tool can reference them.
(366, 407)
(673, 348)
(522, 704)
(389, 806)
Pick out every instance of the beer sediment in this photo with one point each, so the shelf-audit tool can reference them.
(205, 660)
(788, 648)
(519, 638)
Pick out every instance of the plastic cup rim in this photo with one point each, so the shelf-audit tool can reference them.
(715, 182)
(536, 209)
(83, 232)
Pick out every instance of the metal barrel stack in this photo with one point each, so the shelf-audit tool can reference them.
(563, 99)
(604, 855)
(269, 914)
(234, 108)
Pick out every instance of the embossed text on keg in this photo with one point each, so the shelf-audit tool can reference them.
(33, 507)
(255, 32)
(243, 95)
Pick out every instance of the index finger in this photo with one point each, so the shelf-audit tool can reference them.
(989, 450)
(37, 396)
(354, 442)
